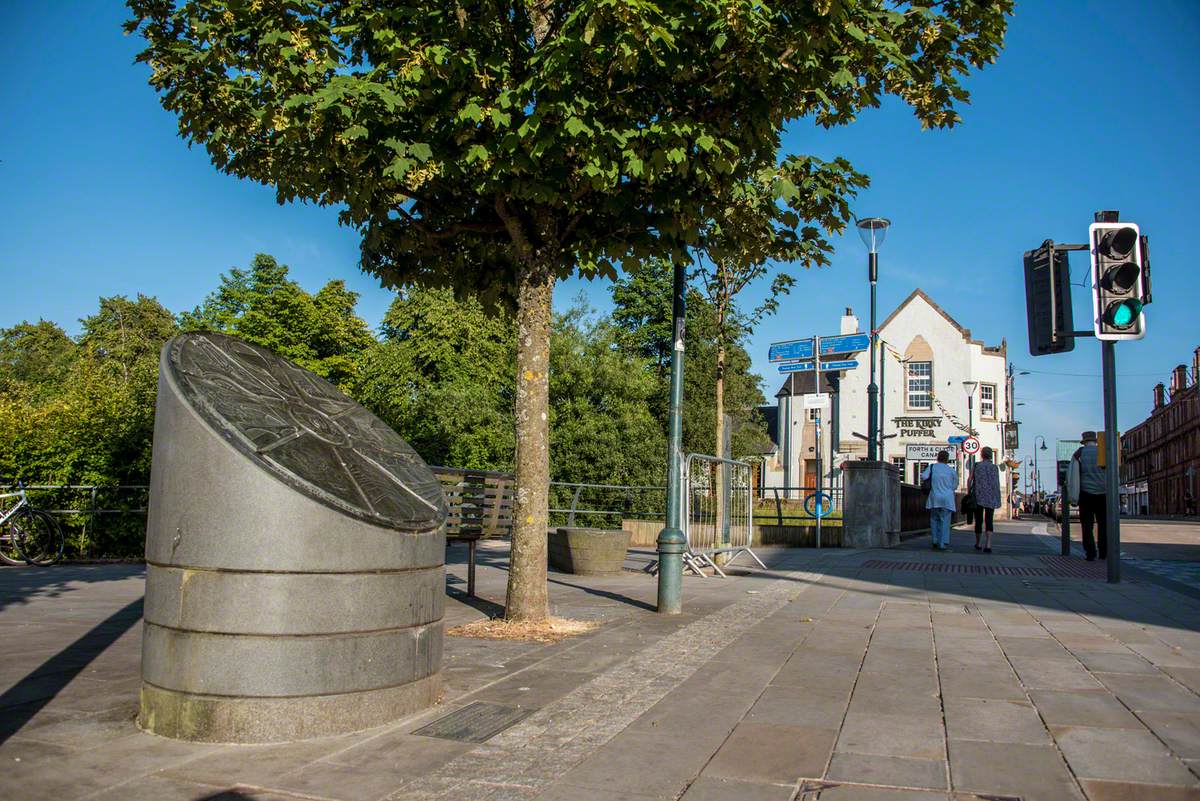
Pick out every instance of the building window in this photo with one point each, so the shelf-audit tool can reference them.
(987, 401)
(920, 385)
(813, 414)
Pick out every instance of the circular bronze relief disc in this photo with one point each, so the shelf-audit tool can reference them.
(305, 431)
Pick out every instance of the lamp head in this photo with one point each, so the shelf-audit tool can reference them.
(873, 231)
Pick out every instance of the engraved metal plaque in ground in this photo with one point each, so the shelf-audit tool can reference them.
(475, 723)
(306, 432)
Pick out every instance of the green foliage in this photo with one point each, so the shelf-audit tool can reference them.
(90, 418)
(463, 139)
(262, 305)
(34, 357)
(443, 377)
(602, 426)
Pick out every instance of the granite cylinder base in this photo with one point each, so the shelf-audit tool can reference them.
(224, 719)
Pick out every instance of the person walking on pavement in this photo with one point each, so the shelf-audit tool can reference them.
(1086, 487)
(985, 480)
(942, 481)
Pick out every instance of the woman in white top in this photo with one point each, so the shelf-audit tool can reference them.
(943, 480)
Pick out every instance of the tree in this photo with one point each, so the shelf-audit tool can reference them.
(262, 305)
(498, 147)
(602, 428)
(35, 357)
(124, 337)
(442, 376)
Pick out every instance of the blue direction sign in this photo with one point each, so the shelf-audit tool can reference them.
(830, 346)
(826, 367)
(796, 349)
(848, 364)
(846, 343)
(956, 440)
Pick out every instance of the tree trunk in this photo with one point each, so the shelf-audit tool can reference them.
(531, 500)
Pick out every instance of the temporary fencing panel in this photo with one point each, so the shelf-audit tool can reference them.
(718, 514)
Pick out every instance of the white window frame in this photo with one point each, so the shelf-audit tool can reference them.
(908, 386)
(983, 415)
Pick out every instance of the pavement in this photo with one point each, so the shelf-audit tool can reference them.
(838, 674)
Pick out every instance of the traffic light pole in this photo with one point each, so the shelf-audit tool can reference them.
(1112, 469)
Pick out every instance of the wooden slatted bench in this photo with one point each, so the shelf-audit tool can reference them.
(480, 506)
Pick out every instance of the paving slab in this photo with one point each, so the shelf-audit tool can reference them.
(1121, 754)
(1136, 791)
(764, 752)
(1150, 692)
(996, 721)
(1083, 708)
(903, 735)
(1179, 730)
(1032, 772)
(716, 788)
(888, 770)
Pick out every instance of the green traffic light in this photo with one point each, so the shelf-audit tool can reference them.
(1123, 314)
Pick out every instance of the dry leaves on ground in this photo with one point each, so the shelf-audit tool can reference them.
(549, 630)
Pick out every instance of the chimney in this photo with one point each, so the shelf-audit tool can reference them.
(1196, 366)
(850, 324)
(1160, 396)
(1179, 379)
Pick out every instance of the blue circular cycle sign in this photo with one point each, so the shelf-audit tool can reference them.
(818, 504)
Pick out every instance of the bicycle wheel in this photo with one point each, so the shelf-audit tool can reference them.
(43, 541)
(10, 548)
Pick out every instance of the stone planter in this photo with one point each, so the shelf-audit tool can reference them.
(588, 551)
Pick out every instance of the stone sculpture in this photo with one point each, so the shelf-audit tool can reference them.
(294, 550)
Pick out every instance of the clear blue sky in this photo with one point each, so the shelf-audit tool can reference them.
(1091, 105)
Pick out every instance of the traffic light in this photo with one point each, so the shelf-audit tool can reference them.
(1120, 280)
(1048, 300)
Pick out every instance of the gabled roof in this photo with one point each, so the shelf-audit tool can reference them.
(1001, 349)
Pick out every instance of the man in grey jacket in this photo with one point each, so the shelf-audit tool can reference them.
(1091, 495)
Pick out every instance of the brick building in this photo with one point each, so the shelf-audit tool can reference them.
(1162, 453)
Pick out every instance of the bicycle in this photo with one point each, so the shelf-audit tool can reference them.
(27, 535)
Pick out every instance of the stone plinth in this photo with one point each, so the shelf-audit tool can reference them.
(294, 551)
(871, 515)
(588, 551)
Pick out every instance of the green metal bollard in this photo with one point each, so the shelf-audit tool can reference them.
(671, 541)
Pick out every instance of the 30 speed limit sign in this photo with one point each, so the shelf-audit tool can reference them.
(970, 446)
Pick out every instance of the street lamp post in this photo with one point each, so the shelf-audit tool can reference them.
(1036, 461)
(970, 386)
(671, 540)
(873, 230)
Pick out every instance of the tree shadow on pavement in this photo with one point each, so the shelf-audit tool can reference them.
(18, 585)
(19, 703)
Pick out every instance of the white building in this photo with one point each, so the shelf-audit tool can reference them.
(927, 356)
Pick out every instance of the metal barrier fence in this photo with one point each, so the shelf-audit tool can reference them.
(718, 511)
(604, 505)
